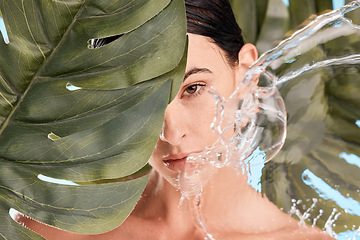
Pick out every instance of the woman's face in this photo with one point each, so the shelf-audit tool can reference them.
(188, 117)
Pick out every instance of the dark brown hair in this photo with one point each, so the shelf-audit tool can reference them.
(215, 19)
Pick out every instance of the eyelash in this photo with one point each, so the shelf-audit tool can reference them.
(200, 86)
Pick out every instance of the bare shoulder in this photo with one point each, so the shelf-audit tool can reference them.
(305, 233)
(152, 230)
(52, 233)
(289, 232)
(46, 231)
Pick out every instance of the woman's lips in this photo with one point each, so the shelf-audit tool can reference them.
(176, 164)
(179, 162)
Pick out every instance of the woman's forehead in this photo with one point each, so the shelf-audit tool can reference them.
(203, 54)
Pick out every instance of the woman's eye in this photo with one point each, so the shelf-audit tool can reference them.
(193, 89)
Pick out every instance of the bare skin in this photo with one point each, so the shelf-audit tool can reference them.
(158, 216)
(230, 208)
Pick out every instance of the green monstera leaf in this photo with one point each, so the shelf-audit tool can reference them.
(70, 111)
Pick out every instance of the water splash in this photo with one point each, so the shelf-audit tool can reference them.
(321, 212)
(307, 215)
(294, 210)
(329, 224)
(257, 120)
(327, 192)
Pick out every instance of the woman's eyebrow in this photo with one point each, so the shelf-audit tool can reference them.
(194, 71)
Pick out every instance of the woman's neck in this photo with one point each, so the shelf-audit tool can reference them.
(162, 202)
(227, 204)
(230, 204)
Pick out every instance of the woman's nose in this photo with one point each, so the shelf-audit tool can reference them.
(173, 130)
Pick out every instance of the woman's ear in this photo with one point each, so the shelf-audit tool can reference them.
(248, 54)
